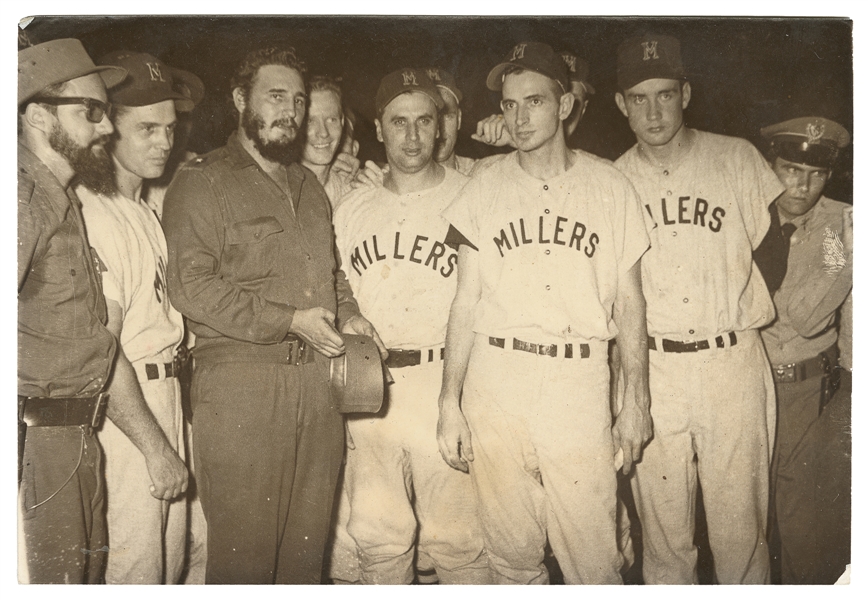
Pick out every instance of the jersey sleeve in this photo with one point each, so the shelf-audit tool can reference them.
(758, 186)
(115, 257)
(631, 224)
(463, 216)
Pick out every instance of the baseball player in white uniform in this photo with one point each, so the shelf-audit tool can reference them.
(550, 242)
(147, 536)
(450, 123)
(712, 395)
(492, 130)
(391, 239)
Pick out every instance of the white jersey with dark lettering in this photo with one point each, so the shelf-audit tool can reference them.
(711, 211)
(550, 252)
(130, 244)
(402, 274)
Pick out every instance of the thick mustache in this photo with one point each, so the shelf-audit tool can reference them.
(285, 123)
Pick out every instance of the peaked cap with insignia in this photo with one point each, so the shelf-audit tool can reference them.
(811, 141)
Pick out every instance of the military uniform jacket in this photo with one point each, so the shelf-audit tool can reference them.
(64, 348)
(243, 256)
(819, 279)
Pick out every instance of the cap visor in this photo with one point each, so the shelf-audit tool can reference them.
(111, 75)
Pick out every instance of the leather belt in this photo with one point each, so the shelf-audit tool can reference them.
(665, 345)
(813, 367)
(399, 358)
(62, 412)
(291, 351)
(152, 371)
(542, 349)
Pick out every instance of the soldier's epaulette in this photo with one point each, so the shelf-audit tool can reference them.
(26, 185)
(200, 162)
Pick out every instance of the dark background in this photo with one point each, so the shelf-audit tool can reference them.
(745, 72)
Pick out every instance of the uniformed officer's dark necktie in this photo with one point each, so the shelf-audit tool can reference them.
(772, 253)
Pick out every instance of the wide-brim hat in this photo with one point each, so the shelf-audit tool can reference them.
(356, 377)
(531, 56)
(150, 81)
(57, 61)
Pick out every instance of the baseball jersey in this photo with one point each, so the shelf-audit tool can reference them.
(129, 242)
(550, 252)
(709, 212)
(484, 163)
(818, 281)
(401, 272)
(337, 186)
(464, 164)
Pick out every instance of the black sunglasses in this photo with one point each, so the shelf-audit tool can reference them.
(95, 109)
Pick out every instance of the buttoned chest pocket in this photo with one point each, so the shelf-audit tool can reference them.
(253, 247)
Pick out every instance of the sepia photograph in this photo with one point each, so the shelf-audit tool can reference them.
(432, 300)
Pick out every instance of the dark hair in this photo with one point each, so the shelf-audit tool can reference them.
(517, 70)
(249, 67)
(54, 90)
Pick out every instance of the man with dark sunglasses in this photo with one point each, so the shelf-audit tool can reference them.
(65, 351)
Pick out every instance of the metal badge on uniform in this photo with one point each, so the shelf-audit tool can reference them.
(357, 377)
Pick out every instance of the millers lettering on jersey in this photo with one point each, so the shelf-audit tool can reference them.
(418, 250)
(544, 231)
(689, 211)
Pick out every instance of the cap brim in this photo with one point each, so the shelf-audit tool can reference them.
(111, 76)
(494, 81)
(191, 83)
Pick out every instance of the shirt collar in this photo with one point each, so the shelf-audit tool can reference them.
(239, 158)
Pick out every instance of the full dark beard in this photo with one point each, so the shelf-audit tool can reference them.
(284, 152)
(93, 170)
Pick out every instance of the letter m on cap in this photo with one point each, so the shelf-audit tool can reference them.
(154, 70)
(650, 50)
(409, 78)
(518, 52)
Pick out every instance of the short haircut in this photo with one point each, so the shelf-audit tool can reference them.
(326, 83)
(516, 70)
(681, 83)
(256, 59)
(54, 90)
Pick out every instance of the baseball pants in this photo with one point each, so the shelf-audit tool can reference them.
(62, 517)
(197, 542)
(811, 480)
(268, 449)
(543, 462)
(147, 536)
(396, 481)
(713, 413)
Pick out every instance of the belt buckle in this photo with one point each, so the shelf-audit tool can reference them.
(301, 347)
(99, 410)
(785, 373)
